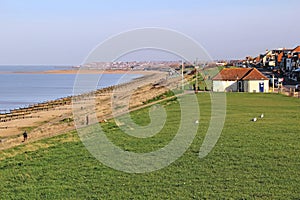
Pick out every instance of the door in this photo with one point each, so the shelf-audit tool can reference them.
(240, 86)
(261, 87)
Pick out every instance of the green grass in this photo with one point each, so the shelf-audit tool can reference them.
(164, 95)
(203, 81)
(252, 160)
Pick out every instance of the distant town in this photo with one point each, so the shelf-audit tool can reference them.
(281, 66)
(284, 63)
(285, 60)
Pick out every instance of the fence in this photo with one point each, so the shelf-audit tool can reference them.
(288, 92)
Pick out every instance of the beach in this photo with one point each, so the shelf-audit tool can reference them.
(56, 117)
(27, 87)
(81, 71)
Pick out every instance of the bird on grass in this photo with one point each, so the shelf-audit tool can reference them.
(262, 116)
(254, 119)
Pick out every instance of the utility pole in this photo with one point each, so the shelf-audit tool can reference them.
(196, 89)
(273, 84)
(182, 76)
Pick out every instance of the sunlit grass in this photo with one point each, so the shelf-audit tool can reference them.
(258, 160)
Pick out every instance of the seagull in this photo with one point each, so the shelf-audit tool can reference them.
(197, 122)
(262, 116)
(254, 119)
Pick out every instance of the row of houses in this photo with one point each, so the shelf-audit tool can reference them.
(286, 60)
(283, 58)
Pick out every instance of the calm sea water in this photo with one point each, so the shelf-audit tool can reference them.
(28, 68)
(22, 90)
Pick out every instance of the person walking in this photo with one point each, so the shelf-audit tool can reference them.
(25, 136)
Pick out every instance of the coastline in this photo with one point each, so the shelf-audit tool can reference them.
(73, 72)
(82, 71)
(56, 117)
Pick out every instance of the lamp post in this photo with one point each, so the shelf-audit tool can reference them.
(196, 89)
(273, 84)
(182, 76)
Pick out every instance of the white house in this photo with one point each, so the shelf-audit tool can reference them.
(240, 80)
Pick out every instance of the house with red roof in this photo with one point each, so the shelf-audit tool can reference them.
(288, 59)
(296, 58)
(240, 80)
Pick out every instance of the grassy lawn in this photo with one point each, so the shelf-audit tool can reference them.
(252, 160)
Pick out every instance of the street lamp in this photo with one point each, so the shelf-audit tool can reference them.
(273, 83)
(182, 76)
(196, 89)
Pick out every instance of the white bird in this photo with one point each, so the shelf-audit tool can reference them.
(254, 119)
(197, 122)
(262, 116)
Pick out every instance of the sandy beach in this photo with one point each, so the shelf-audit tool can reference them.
(48, 121)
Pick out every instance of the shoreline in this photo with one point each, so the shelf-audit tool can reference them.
(82, 71)
(68, 99)
(142, 74)
(56, 117)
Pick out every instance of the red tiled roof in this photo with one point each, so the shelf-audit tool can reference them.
(257, 59)
(254, 74)
(297, 49)
(279, 58)
(233, 74)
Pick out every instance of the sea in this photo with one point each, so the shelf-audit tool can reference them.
(19, 90)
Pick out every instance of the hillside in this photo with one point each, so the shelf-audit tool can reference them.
(251, 159)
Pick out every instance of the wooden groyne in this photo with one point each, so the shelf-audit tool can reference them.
(23, 113)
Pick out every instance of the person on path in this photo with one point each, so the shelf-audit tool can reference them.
(25, 136)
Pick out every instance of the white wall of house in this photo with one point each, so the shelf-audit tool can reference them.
(254, 85)
(272, 63)
(249, 86)
(264, 60)
(224, 86)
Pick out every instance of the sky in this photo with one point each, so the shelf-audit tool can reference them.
(64, 32)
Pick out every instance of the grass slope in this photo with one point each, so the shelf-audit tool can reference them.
(258, 160)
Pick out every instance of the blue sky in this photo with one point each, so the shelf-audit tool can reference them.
(65, 31)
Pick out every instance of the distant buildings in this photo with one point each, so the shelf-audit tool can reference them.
(283, 59)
